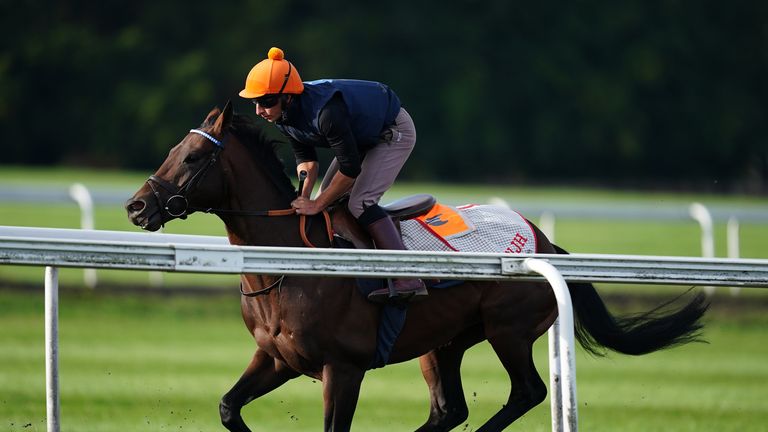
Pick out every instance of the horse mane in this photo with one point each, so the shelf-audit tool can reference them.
(262, 147)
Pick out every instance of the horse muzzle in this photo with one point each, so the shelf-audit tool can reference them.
(143, 215)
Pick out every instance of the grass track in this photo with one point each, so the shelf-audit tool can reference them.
(148, 363)
(158, 362)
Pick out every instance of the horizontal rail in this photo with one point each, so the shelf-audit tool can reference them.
(656, 269)
(140, 251)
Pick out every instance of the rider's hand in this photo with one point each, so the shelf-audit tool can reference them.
(306, 206)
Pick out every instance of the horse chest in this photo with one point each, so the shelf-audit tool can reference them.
(300, 326)
(292, 348)
(283, 336)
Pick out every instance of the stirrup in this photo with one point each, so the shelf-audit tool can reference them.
(391, 295)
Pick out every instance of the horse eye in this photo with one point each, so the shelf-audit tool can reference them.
(191, 158)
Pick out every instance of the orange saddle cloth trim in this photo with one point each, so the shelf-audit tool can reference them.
(445, 221)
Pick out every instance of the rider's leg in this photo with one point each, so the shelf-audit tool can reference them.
(385, 236)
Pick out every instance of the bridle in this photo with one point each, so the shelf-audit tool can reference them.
(177, 205)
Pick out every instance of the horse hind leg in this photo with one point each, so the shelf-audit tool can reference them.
(441, 370)
(262, 375)
(527, 388)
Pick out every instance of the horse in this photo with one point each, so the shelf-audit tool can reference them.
(323, 328)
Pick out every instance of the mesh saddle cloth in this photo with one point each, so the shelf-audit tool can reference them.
(469, 228)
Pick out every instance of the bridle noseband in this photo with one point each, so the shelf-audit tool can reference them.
(177, 205)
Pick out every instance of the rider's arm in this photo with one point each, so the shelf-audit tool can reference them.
(334, 125)
(340, 183)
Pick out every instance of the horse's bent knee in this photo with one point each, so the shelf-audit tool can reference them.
(225, 412)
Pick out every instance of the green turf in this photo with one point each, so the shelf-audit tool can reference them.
(40, 176)
(149, 363)
(161, 362)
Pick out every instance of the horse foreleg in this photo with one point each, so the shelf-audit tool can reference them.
(262, 375)
(441, 370)
(341, 389)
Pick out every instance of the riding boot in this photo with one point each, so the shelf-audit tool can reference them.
(386, 236)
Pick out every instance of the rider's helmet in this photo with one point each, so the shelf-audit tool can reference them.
(273, 75)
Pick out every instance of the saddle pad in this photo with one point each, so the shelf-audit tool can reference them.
(469, 228)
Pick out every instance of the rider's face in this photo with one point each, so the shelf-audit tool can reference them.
(271, 110)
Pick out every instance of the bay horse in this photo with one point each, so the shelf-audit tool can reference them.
(323, 328)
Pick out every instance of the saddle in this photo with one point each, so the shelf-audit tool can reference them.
(346, 227)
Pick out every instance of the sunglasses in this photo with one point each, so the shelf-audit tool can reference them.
(266, 101)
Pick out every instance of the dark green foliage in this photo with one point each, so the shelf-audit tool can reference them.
(625, 93)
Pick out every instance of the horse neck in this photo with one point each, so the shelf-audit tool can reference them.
(249, 188)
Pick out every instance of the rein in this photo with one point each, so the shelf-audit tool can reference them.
(278, 283)
(177, 205)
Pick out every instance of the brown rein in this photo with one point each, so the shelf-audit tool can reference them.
(283, 212)
(178, 205)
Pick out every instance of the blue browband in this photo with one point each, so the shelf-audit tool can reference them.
(209, 136)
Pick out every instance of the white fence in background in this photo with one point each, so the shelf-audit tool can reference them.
(705, 216)
(696, 211)
(199, 254)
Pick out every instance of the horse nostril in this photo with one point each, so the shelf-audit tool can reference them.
(136, 206)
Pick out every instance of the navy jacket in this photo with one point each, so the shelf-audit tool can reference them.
(347, 116)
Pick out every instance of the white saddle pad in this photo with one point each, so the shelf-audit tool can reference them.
(469, 228)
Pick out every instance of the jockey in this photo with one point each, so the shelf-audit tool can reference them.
(362, 122)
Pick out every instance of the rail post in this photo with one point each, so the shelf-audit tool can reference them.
(701, 214)
(555, 378)
(547, 225)
(733, 245)
(52, 405)
(562, 360)
(82, 196)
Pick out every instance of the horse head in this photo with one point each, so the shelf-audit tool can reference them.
(191, 177)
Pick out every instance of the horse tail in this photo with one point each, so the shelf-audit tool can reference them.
(595, 327)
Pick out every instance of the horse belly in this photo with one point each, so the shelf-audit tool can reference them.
(438, 320)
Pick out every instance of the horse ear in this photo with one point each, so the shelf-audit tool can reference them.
(224, 120)
(212, 115)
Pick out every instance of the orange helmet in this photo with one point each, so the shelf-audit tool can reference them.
(274, 75)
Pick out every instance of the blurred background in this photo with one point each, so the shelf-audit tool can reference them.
(650, 94)
(608, 123)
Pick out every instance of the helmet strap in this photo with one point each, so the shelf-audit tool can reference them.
(285, 101)
(285, 81)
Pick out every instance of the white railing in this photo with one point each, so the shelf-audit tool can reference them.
(85, 198)
(55, 248)
(696, 211)
(625, 210)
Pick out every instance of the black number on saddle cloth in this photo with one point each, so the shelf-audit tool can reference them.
(435, 220)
